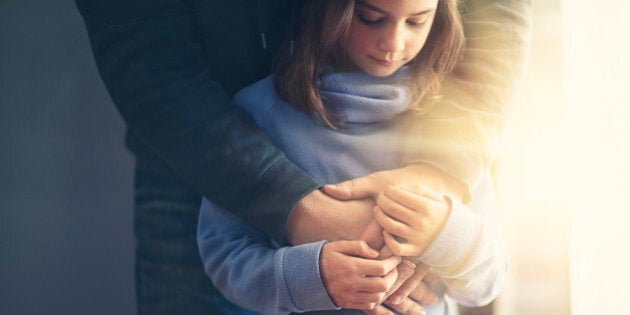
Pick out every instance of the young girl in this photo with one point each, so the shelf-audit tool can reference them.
(340, 105)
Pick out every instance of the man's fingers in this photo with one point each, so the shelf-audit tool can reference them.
(404, 272)
(378, 310)
(409, 285)
(408, 307)
(354, 248)
(380, 267)
(423, 294)
(360, 306)
(358, 188)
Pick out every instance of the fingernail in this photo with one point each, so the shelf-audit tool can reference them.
(395, 299)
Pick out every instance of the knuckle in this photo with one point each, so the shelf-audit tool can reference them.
(380, 270)
(373, 298)
(381, 286)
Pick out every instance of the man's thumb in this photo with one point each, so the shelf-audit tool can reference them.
(353, 189)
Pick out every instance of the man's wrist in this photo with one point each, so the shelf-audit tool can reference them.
(283, 186)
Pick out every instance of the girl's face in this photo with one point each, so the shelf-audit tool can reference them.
(384, 35)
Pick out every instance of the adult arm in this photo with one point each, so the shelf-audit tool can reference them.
(460, 134)
(149, 55)
(248, 269)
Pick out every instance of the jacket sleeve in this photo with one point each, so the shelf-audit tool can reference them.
(252, 272)
(460, 134)
(152, 64)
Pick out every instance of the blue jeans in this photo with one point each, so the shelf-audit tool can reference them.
(169, 273)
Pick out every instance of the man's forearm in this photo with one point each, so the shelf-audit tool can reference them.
(149, 56)
(320, 217)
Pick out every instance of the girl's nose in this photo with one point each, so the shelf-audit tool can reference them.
(392, 40)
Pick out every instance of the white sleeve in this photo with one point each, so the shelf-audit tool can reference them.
(468, 254)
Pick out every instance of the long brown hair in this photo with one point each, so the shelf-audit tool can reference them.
(319, 43)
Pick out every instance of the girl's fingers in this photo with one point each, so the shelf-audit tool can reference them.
(418, 190)
(373, 235)
(392, 225)
(418, 203)
(396, 210)
(400, 249)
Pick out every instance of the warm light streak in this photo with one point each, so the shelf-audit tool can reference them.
(597, 77)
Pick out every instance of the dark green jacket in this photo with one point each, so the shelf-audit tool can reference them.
(171, 68)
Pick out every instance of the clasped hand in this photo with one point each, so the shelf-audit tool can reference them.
(407, 217)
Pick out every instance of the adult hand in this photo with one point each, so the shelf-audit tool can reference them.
(406, 307)
(409, 295)
(318, 216)
(414, 287)
(352, 275)
(411, 218)
(408, 284)
(407, 176)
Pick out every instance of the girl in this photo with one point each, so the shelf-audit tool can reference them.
(340, 105)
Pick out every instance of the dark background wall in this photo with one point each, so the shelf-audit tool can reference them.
(66, 242)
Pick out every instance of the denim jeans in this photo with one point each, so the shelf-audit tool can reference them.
(169, 273)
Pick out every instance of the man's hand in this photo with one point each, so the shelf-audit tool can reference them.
(406, 307)
(353, 277)
(407, 176)
(414, 287)
(409, 293)
(318, 216)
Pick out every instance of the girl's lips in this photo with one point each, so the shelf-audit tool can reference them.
(383, 61)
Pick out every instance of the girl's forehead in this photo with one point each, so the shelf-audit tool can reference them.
(398, 7)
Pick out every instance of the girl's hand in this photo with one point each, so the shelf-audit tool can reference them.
(353, 277)
(411, 218)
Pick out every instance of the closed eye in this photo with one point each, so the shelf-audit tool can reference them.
(368, 21)
(417, 23)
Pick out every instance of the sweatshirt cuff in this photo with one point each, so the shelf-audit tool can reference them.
(282, 186)
(301, 272)
(455, 242)
(462, 171)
